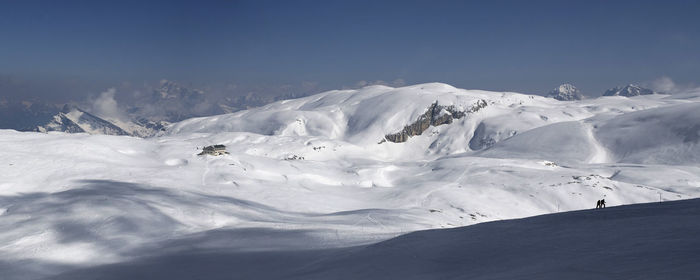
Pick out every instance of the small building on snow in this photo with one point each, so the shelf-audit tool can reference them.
(215, 150)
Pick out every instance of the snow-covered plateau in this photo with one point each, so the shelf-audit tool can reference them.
(335, 170)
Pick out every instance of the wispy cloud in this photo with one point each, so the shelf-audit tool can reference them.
(395, 83)
(106, 106)
(665, 84)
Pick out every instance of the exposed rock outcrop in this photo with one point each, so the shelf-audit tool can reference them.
(435, 115)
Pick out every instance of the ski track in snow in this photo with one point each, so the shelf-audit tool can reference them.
(599, 154)
(204, 174)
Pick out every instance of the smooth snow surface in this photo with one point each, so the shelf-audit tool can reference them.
(315, 174)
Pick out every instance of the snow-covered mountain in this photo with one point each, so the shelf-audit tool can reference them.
(75, 120)
(174, 102)
(565, 92)
(371, 116)
(25, 115)
(339, 168)
(628, 91)
(148, 117)
(145, 115)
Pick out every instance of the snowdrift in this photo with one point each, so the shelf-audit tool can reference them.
(667, 135)
(567, 142)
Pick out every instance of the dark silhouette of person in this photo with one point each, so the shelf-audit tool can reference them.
(597, 204)
(602, 203)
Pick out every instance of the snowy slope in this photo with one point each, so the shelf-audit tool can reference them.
(668, 135)
(560, 142)
(645, 241)
(364, 117)
(320, 167)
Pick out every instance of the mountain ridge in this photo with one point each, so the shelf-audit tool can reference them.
(629, 90)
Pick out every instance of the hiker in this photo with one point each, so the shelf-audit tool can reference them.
(597, 204)
(602, 203)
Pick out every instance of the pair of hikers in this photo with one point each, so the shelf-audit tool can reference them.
(600, 204)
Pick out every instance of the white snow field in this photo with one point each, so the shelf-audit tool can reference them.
(317, 173)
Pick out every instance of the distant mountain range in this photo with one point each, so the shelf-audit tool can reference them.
(171, 102)
(568, 92)
(628, 91)
(144, 117)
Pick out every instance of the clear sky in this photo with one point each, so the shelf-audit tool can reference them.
(525, 46)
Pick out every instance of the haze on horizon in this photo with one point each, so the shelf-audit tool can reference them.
(69, 50)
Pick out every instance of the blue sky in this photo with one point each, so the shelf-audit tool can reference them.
(526, 46)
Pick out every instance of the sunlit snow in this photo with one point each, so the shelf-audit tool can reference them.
(314, 173)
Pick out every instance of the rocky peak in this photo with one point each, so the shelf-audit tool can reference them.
(565, 92)
(628, 91)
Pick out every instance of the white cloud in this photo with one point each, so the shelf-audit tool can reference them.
(106, 106)
(395, 83)
(307, 86)
(663, 84)
(398, 82)
(360, 84)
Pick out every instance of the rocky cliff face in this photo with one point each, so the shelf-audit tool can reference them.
(435, 115)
